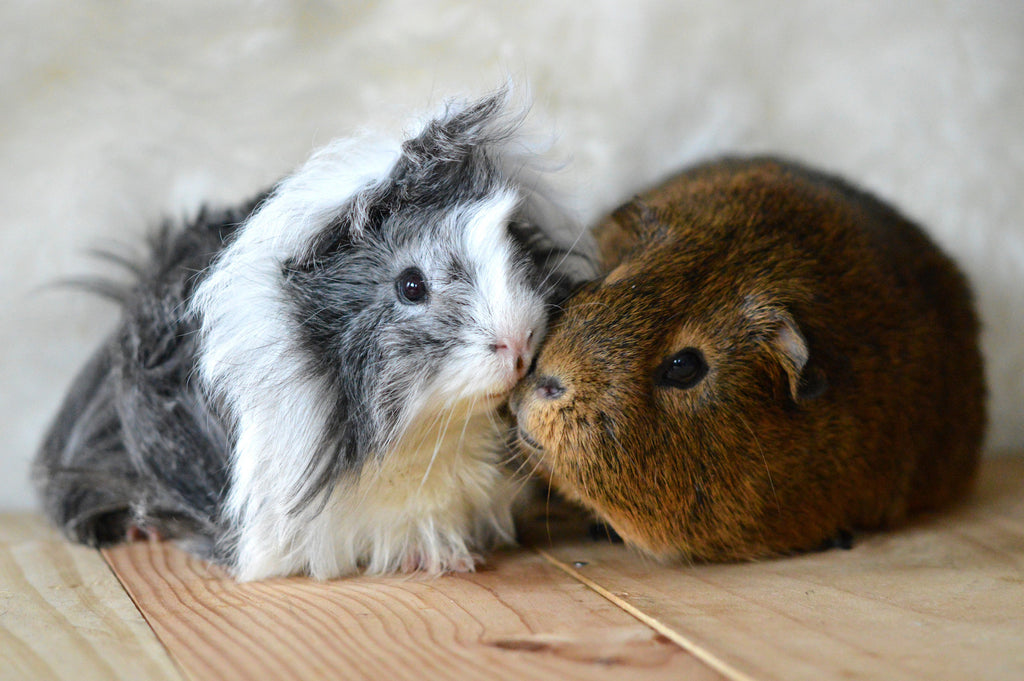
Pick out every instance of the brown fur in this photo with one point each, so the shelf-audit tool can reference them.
(844, 386)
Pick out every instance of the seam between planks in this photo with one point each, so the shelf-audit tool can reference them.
(131, 596)
(701, 653)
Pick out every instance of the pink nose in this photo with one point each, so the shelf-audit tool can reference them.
(517, 350)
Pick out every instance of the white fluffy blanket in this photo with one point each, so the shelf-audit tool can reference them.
(115, 114)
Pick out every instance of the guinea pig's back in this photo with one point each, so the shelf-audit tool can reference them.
(943, 338)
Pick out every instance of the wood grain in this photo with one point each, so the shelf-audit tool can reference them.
(63, 614)
(520, 619)
(940, 599)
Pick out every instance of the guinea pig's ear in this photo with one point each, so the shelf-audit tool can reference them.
(335, 238)
(789, 347)
(363, 214)
(619, 232)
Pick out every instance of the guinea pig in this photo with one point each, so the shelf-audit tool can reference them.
(771, 360)
(310, 383)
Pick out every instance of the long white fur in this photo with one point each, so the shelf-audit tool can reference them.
(439, 491)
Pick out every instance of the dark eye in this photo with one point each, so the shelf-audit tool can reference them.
(684, 369)
(411, 286)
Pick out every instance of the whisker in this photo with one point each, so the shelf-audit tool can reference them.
(437, 446)
(566, 253)
(760, 450)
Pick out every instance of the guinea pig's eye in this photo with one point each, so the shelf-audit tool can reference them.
(411, 286)
(684, 369)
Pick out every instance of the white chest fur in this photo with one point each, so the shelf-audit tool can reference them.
(427, 505)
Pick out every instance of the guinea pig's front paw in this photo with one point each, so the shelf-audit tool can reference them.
(136, 533)
(419, 561)
(466, 562)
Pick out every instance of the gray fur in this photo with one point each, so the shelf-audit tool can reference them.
(135, 442)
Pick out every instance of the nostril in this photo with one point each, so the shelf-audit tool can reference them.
(516, 351)
(549, 388)
(509, 346)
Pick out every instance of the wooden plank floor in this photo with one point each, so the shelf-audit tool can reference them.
(521, 619)
(64, 615)
(941, 599)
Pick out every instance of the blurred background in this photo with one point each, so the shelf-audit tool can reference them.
(114, 115)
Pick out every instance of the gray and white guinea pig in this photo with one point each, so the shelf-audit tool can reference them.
(772, 360)
(310, 384)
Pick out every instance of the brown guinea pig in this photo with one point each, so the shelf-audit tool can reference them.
(772, 359)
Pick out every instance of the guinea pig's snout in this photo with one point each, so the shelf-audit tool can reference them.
(549, 388)
(517, 350)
